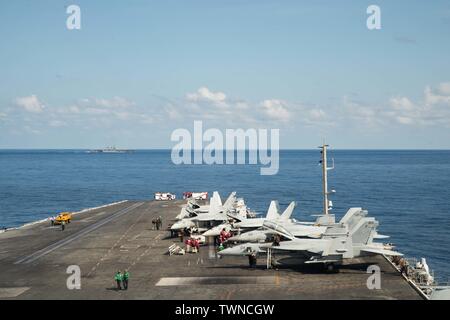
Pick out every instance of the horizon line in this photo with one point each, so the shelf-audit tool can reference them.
(268, 149)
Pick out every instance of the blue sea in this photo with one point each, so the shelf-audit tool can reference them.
(407, 191)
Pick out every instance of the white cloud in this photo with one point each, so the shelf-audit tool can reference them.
(401, 103)
(31, 130)
(439, 96)
(276, 109)
(359, 114)
(204, 94)
(96, 111)
(99, 106)
(219, 110)
(74, 109)
(216, 106)
(208, 105)
(434, 109)
(404, 120)
(317, 114)
(30, 104)
(172, 112)
(146, 119)
(115, 102)
(57, 123)
(121, 115)
(444, 88)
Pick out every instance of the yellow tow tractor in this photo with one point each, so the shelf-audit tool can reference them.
(65, 217)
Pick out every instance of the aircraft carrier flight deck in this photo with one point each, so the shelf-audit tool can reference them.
(34, 261)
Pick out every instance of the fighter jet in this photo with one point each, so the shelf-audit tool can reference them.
(263, 234)
(216, 214)
(238, 220)
(192, 209)
(273, 214)
(337, 244)
(348, 221)
(299, 229)
(352, 237)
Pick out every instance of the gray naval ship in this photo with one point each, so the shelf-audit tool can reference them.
(112, 149)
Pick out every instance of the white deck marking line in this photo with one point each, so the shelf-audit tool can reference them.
(36, 255)
(219, 280)
(157, 238)
(116, 243)
(12, 292)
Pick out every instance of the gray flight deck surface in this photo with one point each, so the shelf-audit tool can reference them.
(34, 259)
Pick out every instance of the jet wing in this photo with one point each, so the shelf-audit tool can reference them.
(380, 236)
(211, 217)
(308, 246)
(305, 231)
(382, 251)
(234, 216)
(251, 223)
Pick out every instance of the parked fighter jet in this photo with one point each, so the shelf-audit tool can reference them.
(299, 229)
(337, 243)
(273, 214)
(263, 234)
(240, 221)
(215, 215)
(352, 237)
(192, 209)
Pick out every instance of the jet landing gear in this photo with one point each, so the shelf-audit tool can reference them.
(330, 267)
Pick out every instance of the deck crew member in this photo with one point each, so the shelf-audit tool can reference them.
(126, 276)
(118, 277)
(404, 267)
(276, 240)
(188, 245)
(159, 222)
(252, 260)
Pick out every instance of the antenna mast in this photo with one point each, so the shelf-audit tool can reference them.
(325, 168)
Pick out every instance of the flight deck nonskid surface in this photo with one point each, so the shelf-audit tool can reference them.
(34, 261)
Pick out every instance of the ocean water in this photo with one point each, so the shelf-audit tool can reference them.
(407, 191)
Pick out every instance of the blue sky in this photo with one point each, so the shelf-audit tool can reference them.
(137, 70)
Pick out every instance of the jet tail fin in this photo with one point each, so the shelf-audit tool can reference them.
(352, 217)
(228, 205)
(215, 203)
(274, 210)
(183, 214)
(364, 231)
(236, 215)
(325, 219)
(288, 211)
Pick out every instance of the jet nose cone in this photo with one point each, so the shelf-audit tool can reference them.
(234, 238)
(177, 226)
(227, 252)
(246, 237)
(211, 233)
